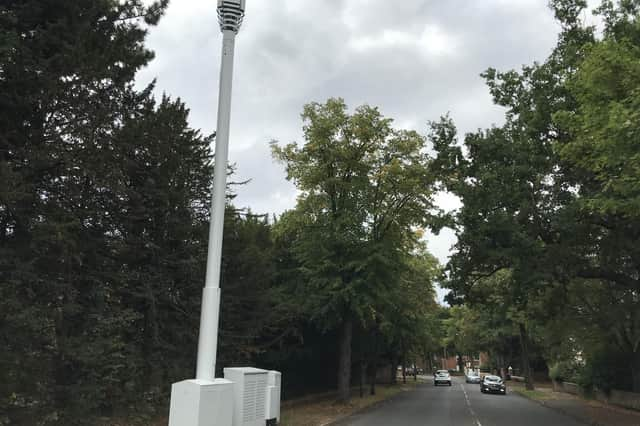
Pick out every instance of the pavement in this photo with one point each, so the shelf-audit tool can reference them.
(461, 404)
(595, 414)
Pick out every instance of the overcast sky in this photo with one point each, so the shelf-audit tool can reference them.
(414, 59)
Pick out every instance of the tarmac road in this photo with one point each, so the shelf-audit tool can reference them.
(461, 404)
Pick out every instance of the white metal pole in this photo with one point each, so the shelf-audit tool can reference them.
(230, 16)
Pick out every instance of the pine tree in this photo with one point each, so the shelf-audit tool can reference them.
(66, 70)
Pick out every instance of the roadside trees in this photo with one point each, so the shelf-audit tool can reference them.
(552, 195)
(601, 156)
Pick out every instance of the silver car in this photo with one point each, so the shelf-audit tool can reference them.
(441, 376)
(472, 377)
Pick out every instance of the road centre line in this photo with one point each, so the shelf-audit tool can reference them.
(473, 413)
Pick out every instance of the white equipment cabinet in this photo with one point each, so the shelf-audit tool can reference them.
(272, 414)
(201, 403)
(249, 390)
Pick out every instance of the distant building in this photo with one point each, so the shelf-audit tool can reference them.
(451, 362)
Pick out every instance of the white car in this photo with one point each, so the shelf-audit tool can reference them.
(441, 376)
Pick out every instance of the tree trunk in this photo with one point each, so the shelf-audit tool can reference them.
(429, 362)
(460, 363)
(635, 372)
(526, 365)
(153, 373)
(62, 375)
(344, 365)
(372, 365)
(362, 373)
(373, 373)
(394, 374)
(404, 370)
(63, 368)
(445, 365)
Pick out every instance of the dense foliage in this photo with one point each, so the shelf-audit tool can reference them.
(550, 200)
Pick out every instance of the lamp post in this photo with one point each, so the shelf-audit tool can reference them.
(230, 14)
(207, 401)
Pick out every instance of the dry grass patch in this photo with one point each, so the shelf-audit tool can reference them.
(542, 392)
(534, 394)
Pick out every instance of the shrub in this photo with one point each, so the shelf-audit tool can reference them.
(565, 371)
(605, 370)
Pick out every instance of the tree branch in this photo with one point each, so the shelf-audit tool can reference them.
(603, 274)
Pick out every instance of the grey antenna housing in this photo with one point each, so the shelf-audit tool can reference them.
(230, 14)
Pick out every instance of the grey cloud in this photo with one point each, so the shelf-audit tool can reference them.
(380, 52)
(265, 192)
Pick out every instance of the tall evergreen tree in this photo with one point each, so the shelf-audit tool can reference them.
(102, 194)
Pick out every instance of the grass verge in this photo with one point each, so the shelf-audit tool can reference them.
(533, 394)
(326, 412)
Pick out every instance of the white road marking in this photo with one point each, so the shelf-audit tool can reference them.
(473, 413)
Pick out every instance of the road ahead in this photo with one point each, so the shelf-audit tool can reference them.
(461, 404)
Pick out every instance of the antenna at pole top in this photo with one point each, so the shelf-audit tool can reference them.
(230, 14)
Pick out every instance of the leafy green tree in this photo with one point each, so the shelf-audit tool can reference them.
(431, 336)
(363, 187)
(498, 318)
(512, 182)
(406, 316)
(463, 333)
(501, 183)
(603, 166)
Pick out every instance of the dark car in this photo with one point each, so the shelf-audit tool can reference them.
(493, 384)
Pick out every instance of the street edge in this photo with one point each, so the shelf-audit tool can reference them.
(342, 421)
